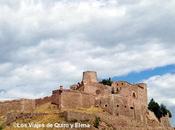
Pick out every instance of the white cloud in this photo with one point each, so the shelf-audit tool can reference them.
(49, 42)
(45, 43)
(162, 88)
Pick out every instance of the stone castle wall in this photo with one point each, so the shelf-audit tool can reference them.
(11, 117)
(28, 105)
(77, 116)
(136, 94)
(43, 100)
(74, 99)
(56, 96)
(9, 106)
(97, 89)
(116, 105)
(122, 99)
(21, 105)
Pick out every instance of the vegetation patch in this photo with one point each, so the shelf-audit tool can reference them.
(159, 110)
(96, 122)
(107, 82)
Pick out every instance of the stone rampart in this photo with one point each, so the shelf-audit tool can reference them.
(44, 100)
(74, 99)
(77, 116)
(11, 117)
(21, 105)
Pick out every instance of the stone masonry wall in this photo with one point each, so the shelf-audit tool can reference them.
(74, 99)
(56, 96)
(116, 105)
(44, 100)
(135, 93)
(11, 117)
(8, 106)
(77, 116)
(89, 77)
(17, 106)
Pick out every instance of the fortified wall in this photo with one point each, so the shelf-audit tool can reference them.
(121, 100)
(75, 100)
(22, 105)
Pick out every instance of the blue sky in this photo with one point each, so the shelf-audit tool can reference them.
(136, 77)
(47, 43)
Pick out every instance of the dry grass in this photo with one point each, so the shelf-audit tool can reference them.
(2, 119)
(46, 108)
(52, 117)
(11, 128)
(91, 110)
(45, 119)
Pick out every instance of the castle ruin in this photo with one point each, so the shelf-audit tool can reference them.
(121, 100)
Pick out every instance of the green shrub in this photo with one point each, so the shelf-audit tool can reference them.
(170, 114)
(159, 110)
(165, 111)
(107, 82)
(97, 122)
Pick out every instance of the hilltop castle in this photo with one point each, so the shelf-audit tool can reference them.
(121, 100)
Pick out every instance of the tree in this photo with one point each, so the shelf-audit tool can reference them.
(170, 114)
(154, 107)
(165, 111)
(159, 110)
(107, 81)
(0, 127)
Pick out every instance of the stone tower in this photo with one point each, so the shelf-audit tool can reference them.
(89, 77)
